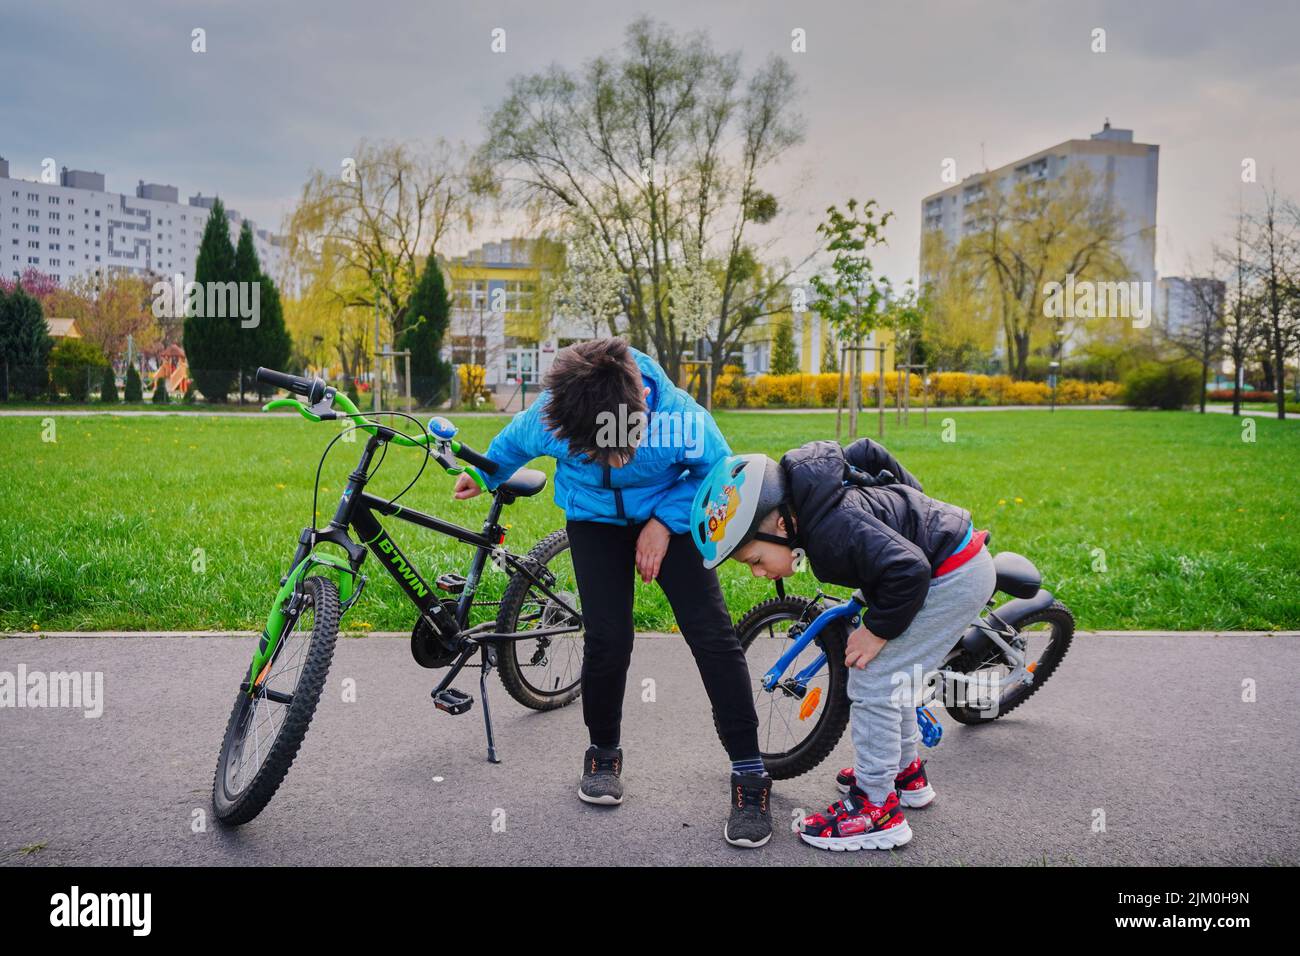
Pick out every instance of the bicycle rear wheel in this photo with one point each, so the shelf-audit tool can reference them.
(1043, 637)
(542, 673)
(798, 727)
(266, 728)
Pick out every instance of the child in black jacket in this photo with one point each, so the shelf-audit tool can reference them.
(862, 521)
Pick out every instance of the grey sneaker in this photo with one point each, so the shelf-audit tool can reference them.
(749, 824)
(600, 776)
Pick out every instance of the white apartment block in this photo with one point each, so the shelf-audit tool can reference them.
(1127, 171)
(75, 228)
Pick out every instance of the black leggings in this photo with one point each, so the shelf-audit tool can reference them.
(604, 562)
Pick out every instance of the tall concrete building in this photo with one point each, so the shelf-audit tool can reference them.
(1127, 171)
(76, 227)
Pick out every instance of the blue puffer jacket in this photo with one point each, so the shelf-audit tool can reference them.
(681, 442)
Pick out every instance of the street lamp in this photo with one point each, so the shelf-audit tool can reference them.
(1052, 369)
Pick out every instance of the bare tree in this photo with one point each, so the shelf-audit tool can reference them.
(1195, 326)
(660, 150)
(1241, 325)
(1276, 263)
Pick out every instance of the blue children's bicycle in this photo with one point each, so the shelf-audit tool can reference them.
(795, 647)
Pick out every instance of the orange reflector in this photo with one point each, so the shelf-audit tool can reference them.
(1031, 667)
(262, 675)
(810, 703)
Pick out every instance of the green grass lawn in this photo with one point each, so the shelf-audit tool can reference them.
(102, 528)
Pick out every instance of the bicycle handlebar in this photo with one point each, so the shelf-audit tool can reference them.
(312, 388)
(481, 462)
(316, 390)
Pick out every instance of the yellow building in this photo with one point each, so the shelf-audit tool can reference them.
(496, 312)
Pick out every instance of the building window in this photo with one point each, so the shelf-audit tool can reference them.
(519, 296)
(469, 349)
(471, 295)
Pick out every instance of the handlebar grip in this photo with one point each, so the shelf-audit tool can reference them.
(313, 388)
(481, 462)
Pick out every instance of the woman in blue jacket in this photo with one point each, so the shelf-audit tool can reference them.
(631, 449)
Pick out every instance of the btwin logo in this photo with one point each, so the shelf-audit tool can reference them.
(404, 570)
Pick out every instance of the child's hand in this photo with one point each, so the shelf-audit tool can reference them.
(862, 648)
(466, 487)
(651, 545)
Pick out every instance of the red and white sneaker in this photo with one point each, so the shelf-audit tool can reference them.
(855, 823)
(913, 788)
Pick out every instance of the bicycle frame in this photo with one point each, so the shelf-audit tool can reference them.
(359, 512)
(851, 609)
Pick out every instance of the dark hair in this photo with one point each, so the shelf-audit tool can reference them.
(586, 380)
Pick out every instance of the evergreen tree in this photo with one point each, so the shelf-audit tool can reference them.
(268, 342)
(273, 346)
(108, 385)
(427, 316)
(134, 389)
(784, 361)
(830, 357)
(25, 344)
(160, 391)
(211, 344)
(247, 270)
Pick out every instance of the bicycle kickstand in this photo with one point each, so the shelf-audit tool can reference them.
(489, 658)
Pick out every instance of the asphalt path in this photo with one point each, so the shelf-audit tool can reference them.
(1140, 751)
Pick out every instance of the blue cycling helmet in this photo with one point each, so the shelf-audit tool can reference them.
(738, 492)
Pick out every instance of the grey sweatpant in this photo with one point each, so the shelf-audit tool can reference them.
(885, 693)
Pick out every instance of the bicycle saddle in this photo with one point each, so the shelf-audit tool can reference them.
(1017, 576)
(524, 483)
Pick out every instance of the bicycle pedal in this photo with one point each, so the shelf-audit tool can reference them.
(453, 701)
(452, 583)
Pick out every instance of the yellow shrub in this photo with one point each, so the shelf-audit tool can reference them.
(724, 391)
(827, 389)
(1071, 391)
(1027, 393)
(735, 390)
(472, 382)
(952, 388)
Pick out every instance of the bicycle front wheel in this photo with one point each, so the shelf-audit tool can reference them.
(799, 723)
(267, 727)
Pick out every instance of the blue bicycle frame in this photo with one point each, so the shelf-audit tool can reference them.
(931, 729)
(849, 609)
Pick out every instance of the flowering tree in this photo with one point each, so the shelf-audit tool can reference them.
(591, 286)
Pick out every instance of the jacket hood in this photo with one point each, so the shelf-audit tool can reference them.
(814, 475)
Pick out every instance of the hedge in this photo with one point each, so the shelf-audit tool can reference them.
(1225, 395)
(733, 390)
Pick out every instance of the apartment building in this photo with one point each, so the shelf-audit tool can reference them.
(76, 227)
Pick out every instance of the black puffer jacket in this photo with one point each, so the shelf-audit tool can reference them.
(886, 539)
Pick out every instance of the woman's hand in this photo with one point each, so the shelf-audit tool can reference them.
(651, 544)
(862, 648)
(466, 487)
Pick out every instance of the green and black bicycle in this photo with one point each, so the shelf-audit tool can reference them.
(535, 640)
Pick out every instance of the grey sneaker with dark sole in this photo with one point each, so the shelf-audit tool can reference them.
(601, 781)
(749, 824)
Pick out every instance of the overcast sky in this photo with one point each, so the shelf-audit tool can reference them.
(888, 91)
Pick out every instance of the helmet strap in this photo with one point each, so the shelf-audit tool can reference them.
(790, 540)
